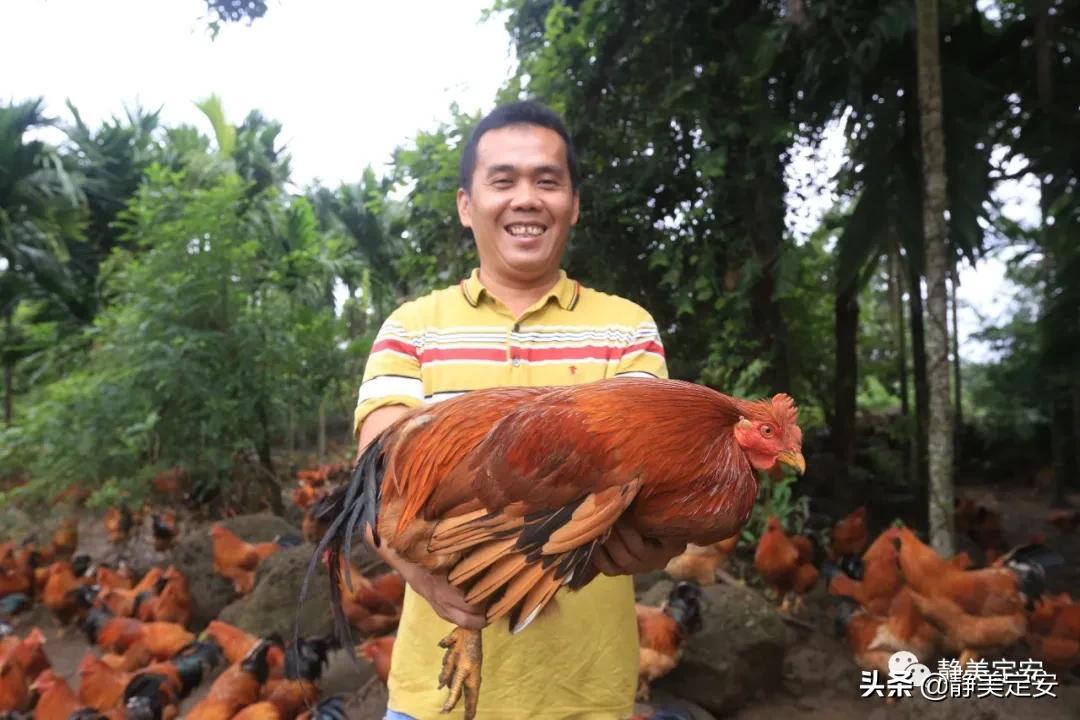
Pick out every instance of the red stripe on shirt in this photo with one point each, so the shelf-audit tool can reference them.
(528, 354)
(396, 345)
(477, 353)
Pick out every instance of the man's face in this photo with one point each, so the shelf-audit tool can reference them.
(521, 206)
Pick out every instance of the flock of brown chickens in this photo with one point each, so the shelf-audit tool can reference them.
(907, 597)
(144, 659)
(894, 593)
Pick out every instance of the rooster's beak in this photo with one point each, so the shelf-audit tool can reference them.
(793, 459)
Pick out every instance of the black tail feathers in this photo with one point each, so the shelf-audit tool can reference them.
(348, 509)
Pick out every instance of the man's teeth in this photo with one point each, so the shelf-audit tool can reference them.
(525, 230)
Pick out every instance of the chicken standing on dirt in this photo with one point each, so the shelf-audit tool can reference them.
(510, 491)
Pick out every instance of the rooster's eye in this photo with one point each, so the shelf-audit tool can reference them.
(766, 430)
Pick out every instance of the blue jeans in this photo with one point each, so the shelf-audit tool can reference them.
(395, 715)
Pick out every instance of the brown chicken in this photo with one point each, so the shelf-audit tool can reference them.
(380, 652)
(779, 560)
(235, 643)
(700, 562)
(1004, 588)
(371, 606)
(1054, 632)
(236, 688)
(118, 524)
(65, 539)
(283, 698)
(100, 686)
(56, 701)
(663, 632)
(849, 535)
(118, 634)
(234, 559)
(172, 605)
(29, 652)
(59, 594)
(106, 577)
(304, 495)
(880, 583)
(509, 491)
(972, 636)
(14, 686)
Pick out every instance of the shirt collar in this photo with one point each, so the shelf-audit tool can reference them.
(565, 291)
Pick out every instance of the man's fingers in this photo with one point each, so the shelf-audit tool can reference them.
(602, 561)
(632, 541)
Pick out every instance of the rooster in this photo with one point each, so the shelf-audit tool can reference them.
(380, 651)
(700, 562)
(849, 536)
(118, 524)
(786, 564)
(508, 492)
(237, 687)
(163, 527)
(663, 632)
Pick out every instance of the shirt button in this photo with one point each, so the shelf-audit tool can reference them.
(515, 362)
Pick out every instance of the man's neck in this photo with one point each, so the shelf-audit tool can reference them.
(518, 297)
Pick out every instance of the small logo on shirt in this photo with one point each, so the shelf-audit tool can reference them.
(573, 369)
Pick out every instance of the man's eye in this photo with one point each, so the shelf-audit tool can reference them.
(548, 182)
(501, 182)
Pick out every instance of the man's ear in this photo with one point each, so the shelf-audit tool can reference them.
(577, 207)
(464, 208)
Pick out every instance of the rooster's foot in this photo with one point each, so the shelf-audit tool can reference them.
(461, 669)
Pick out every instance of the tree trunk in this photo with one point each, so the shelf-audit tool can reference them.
(940, 447)
(273, 489)
(843, 429)
(958, 403)
(322, 430)
(767, 233)
(896, 299)
(920, 472)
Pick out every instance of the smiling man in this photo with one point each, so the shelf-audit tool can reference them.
(518, 320)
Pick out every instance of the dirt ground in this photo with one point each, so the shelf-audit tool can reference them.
(820, 679)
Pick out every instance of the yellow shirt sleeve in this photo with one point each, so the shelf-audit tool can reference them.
(644, 355)
(392, 373)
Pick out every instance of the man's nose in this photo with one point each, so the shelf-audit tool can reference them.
(526, 197)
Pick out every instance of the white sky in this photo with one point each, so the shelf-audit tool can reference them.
(348, 79)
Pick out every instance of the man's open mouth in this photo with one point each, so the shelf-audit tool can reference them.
(526, 229)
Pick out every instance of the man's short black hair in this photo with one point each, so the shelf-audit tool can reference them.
(525, 112)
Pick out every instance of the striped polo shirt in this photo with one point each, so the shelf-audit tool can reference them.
(580, 658)
(462, 338)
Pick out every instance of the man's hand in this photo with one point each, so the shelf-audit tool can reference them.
(447, 601)
(628, 552)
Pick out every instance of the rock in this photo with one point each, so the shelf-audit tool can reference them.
(739, 652)
(260, 527)
(657, 593)
(272, 604)
(645, 581)
(345, 675)
(193, 556)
